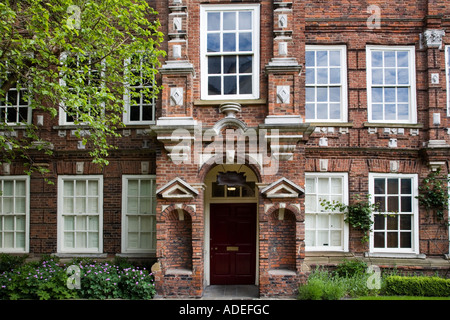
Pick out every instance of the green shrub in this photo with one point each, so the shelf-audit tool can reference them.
(417, 286)
(350, 268)
(43, 281)
(108, 281)
(9, 262)
(48, 279)
(322, 286)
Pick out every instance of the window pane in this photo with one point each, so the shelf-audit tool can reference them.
(406, 203)
(322, 94)
(229, 64)
(213, 42)
(380, 203)
(405, 222)
(403, 94)
(392, 204)
(214, 86)
(392, 240)
(335, 111)
(389, 59)
(335, 58)
(147, 113)
(389, 94)
(392, 186)
(230, 85)
(390, 76)
(229, 21)
(377, 59)
(245, 20)
(229, 42)
(310, 111)
(322, 76)
(132, 205)
(322, 58)
(310, 76)
(405, 240)
(310, 94)
(245, 85)
(214, 65)
(213, 21)
(392, 222)
(377, 95)
(377, 112)
(403, 76)
(402, 59)
(245, 41)
(322, 111)
(335, 94)
(403, 112)
(335, 75)
(8, 188)
(377, 76)
(245, 64)
(378, 222)
(310, 59)
(406, 186)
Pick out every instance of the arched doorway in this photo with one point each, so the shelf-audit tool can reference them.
(231, 220)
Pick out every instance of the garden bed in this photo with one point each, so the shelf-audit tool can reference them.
(81, 279)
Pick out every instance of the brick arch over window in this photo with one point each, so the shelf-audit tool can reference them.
(299, 216)
(178, 237)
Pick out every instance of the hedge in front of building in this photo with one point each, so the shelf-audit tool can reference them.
(417, 286)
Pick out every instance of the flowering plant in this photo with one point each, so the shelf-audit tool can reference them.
(48, 279)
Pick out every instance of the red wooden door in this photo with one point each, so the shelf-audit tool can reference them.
(233, 243)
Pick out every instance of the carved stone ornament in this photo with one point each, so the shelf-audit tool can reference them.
(432, 38)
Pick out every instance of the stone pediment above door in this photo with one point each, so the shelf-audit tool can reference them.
(281, 189)
(177, 189)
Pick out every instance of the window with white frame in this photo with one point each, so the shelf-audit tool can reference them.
(395, 226)
(80, 214)
(230, 51)
(325, 230)
(391, 84)
(447, 73)
(139, 100)
(326, 83)
(14, 214)
(89, 73)
(138, 214)
(15, 104)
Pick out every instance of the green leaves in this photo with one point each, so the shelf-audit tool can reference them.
(433, 193)
(358, 214)
(40, 42)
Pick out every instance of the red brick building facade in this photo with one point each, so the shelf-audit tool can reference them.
(267, 107)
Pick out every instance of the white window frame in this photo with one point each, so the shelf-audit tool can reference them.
(412, 82)
(4, 106)
(343, 84)
(60, 243)
(345, 228)
(62, 113)
(127, 99)
(255, 9)
(125, 179)
(26, 179)
(415, 213)
(447, 76)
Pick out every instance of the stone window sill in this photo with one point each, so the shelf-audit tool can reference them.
(207, 103)
(282, 272)
(177, 272)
